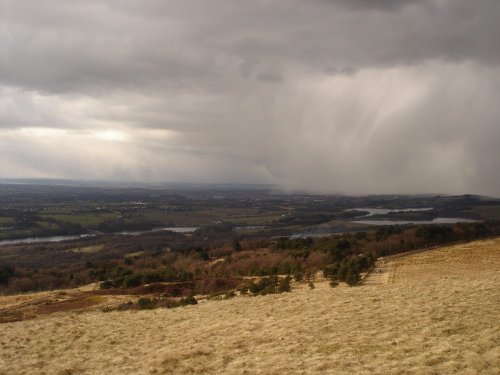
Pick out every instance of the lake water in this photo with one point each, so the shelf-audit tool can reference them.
(385, 211)
(184, 230)
(438, 220)
(43, 239)
(328, 231)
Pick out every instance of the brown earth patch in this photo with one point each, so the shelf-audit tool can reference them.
(89, 298)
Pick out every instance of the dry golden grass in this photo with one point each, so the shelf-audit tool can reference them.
(438, 314)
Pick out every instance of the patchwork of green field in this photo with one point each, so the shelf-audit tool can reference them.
(73, 208)
(5, 220)
(203, 217)
(47, 225)
(41, 210)
(488, 212)
(5, 234)
(54, 221)
(260, 219)
(85, 220)
(45, 220)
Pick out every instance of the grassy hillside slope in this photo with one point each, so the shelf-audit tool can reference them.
(437, 313)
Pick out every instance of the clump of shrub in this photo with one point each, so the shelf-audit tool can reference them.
(125, 278)
(6, 273)
(147, 303)
(349, 269)
(230, 295)
(284, 285)
(190, 300)
(285, 243)
(131, 281)
(298, 276)
(334, 283)
(106, 284)
(265, 285)
(270, 285)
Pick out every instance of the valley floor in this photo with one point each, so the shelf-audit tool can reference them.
(437, 313)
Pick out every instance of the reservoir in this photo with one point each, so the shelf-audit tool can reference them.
(437, 220)
(385, 211)
(184, 230)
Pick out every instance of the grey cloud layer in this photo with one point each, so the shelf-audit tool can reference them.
(336, 96)
(65, 46)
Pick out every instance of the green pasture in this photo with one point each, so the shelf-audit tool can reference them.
(15, 233)
(487, 212)
(240, 216)
(5, 220)
(47, 225)
(260, 219)
(85, 220)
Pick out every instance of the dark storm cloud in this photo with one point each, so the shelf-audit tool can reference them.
(61, 46)
(339, 95)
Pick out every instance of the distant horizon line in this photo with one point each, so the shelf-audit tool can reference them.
(131, 182)
(221, 185)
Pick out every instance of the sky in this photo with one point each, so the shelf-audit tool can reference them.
(327, 96)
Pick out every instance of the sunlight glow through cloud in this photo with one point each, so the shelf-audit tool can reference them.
(109, 135)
